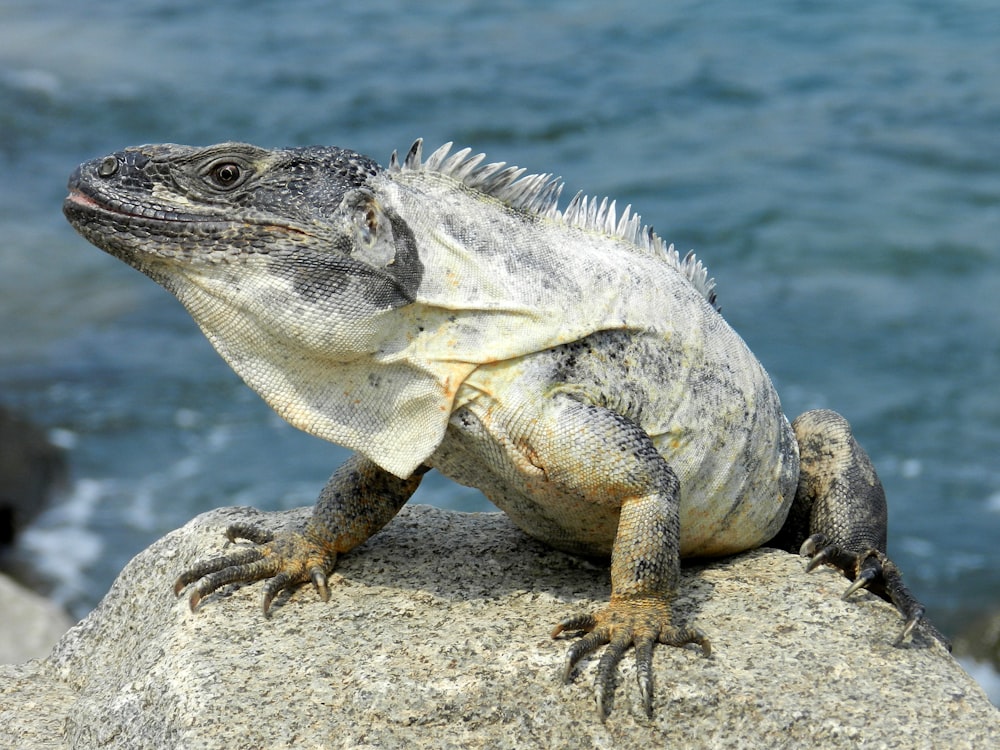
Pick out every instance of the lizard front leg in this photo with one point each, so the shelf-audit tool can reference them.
(357, 501)
(644, 573)
(590, 455)
(839, 516)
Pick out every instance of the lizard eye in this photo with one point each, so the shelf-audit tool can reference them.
(226, 174)
(108, 166)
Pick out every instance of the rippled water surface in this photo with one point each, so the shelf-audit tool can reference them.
(836, 165)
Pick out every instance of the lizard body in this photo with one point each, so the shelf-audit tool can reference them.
(447, 314)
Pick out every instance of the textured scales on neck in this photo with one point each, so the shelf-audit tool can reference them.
(539, 194)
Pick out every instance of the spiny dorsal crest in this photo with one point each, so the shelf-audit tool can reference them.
(539, 194)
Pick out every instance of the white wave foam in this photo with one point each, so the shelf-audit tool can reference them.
(61, 546)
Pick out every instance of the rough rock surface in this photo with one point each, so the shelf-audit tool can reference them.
(31, 469)
(436, 635)
(31, 625)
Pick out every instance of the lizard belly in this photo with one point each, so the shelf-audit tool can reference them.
(735, 496)
(735, 455)
(483, 457)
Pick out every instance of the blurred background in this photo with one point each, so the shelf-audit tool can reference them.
(836, 165)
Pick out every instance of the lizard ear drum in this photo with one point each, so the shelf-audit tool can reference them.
(372, 235)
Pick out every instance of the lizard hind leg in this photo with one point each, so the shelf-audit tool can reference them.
(839, 516)
(645, 572)
(591, 452)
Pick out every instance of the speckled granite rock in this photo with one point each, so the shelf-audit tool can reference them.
(436, 635)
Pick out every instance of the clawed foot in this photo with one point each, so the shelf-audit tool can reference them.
(874, 571)
(636, 622)
(285, 560)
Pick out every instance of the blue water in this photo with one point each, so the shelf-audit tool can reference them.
(837, 165)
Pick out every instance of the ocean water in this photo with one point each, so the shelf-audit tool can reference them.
(836, 165)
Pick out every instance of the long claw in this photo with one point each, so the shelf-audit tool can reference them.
(819, 558)
(250, 532)
(684, 636)
(586, 645)
(811, 545)
(911, 623)
(644, 673)
(864, 579)
(605, 700)
(271, 589)
(604, 683)
(567, 672)
(573, 624)
(318, 577)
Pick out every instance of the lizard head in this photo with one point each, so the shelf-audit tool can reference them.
(287, 236)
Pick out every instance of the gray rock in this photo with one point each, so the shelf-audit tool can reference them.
(977, 647)
(437, 635)
(31, 469)
(31, 625)
(980, 639)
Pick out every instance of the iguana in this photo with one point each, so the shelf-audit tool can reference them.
(445, 313)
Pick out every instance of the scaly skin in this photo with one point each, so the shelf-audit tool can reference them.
(358, 501)
(840, 518)
(447, 315)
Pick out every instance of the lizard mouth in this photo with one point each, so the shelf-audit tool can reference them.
(80, 206)
(81, 201)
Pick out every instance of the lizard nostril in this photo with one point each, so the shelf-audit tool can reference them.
(108, 166)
